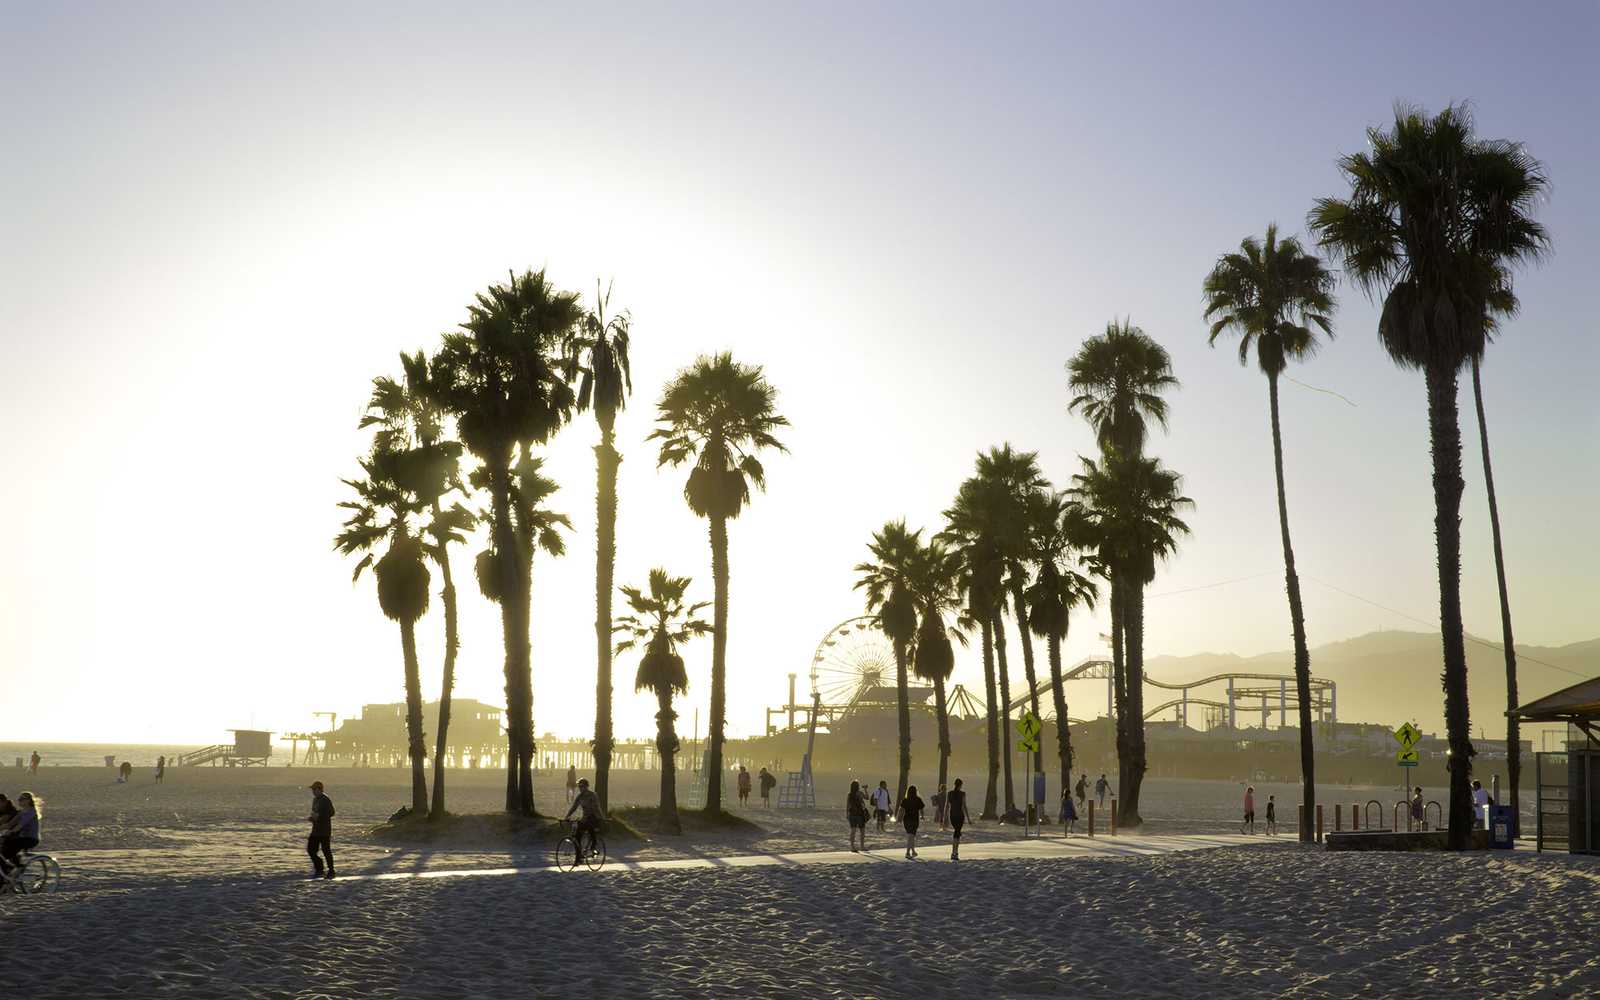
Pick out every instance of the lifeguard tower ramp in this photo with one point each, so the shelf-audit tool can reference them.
(250, 747)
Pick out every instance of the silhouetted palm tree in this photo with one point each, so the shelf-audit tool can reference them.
(1257, 293)
(1435, 219)
(971, 530)
(935, 583)
(1129, 505)
(409, 419)
(889, 596)
(715, 415)
(510, 391)
(662, 621)
(382, 515)
(1056, 591)
(605, 385)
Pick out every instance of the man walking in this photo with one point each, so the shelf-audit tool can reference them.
(321, 831)
(880, 803)
(1100, 788)
(958, 818)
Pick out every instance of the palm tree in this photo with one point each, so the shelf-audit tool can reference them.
(889, 596)
(1129, 505)
(382, 515)
(510, 392)
(408, 418)
(971, 531)
(1058, 535)
(605, 386)
(662, 622)
(1435, 219)
(715, 415)
(1258, 292)
(934, 579)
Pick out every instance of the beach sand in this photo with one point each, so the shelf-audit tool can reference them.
(198, 887)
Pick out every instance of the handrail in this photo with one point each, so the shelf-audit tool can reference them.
(1436, 805)
(1366, 813)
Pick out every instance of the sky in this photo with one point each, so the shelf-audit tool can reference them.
(218, 223)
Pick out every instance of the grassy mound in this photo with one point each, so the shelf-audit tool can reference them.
(692, 820)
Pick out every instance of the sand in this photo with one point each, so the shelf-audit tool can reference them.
(197, 887)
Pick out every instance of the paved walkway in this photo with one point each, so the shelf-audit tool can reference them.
(890, 853)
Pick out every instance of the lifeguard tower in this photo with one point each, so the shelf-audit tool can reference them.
(250, 746)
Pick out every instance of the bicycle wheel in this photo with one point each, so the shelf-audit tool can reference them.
(39, 874)
(566, 855)
(596, 858)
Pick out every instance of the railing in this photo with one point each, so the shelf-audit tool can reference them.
(201, 756)
(1366, 813)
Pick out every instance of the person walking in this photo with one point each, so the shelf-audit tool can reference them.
(1101, 787)
(572, 783)
(1416, 809)
(744, 786)
(880, 804)
(1272, 817)
(34, 763)
(769, 781)
(1069, 814)
(321, 820)
(958, 818)
(1249, 810)
(161, 768)
(941, 807)
(855, 810)
(910, 813)
(1083, 790)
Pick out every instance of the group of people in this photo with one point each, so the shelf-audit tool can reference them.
(19, 828)
(862, 807)
(766, 779)
(1249, 824)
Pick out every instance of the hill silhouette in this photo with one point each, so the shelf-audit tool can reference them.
(1393, 677)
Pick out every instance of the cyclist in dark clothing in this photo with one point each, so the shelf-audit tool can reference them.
(321, 819)
(589, 821)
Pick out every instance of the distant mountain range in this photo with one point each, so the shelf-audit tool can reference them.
(1394, 677)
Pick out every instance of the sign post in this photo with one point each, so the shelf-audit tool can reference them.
(1408, 737)
(1028, 727)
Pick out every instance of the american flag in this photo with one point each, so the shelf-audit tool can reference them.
(1104, 637)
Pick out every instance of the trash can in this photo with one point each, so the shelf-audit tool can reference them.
(1500, 827)
(111, 761)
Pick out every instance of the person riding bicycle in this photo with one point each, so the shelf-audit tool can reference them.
(589, 802)
(20, 833)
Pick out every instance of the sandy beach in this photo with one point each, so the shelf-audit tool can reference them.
(198, 886)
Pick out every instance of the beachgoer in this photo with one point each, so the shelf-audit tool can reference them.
(1101, 787)
(1082, 789)
(20, 832)
(161, 768)
(744, 786)
(125, 773)
(1249, 810)
(321, 837)
(1272, 817)
(572, 783)
(958, 818)
(768, 783)
(941, 811)
(1417, 810)
(8, 809)
(855, 811)
(590, 819)
(1069, 815)
(880, 803)
(910, 812)
(35, 762)
(1480, 806)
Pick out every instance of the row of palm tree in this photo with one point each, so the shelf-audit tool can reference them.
(526, 359)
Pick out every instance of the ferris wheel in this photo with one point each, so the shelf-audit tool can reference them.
(851, 660)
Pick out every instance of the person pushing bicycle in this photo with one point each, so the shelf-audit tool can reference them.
(589, 821)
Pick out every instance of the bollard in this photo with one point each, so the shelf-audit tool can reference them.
(1319, 824)
(1355, 816)
(1091, 817)
(1113, 818)
(1338, 816)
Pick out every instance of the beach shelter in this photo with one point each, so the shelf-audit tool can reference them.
(1568, 783)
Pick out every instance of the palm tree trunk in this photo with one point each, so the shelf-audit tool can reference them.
(452, 642)
(514, 633)
(1133, 777)
(944, 730)
(417, 749)
(1444, 429)
(905, 719)
(524, 604)
(1513, 725)
(667, 748)
(1119, 682)
(1297, 622)
(994, 721)
(606, 462)
(719, 664)
(1005, 700)
(1063, 727)
(1033, 683)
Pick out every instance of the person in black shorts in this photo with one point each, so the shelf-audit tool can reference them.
(910, 813)
(855, 811)
(958, 818)
(321, 838)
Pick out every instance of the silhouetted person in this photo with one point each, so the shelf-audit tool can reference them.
(1082, 789)
(1480, 806)
(572, 783)
(910, 812)
(1101, 787)
(1416, 809)
(588, 820)
(958, 819)
(1249, 810)
(1272, 817)
(20, 832)
(321, 820)
(941, 807)
(855, 811)
(35, 762)
(880, 804)
(768, 783)
(744, 786)
(8, 809)
(161, 768)
(1069, 814)
(125, 772)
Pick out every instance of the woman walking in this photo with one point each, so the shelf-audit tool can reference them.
(855, 810)
(1249, 810)
(910, 813)
(1069, 813)
(941, 808)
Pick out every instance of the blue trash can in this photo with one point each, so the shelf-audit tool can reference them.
(1500, 827)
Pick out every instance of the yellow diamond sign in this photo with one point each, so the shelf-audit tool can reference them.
(1028, 725)
(1407, 736)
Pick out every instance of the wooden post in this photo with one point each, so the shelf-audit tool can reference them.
(1113, 819)
(1338, 816)
(1302, 832)
(1319, 823)
(1091, 817)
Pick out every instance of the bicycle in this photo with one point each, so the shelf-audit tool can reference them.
(569, 855)
(33, 873)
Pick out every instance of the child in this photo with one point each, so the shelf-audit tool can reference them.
(1272, 817)
(1069, 814)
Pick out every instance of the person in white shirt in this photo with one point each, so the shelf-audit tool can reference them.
(880, 803)
(1480, 806)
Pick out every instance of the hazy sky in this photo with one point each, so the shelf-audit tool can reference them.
(219, 222)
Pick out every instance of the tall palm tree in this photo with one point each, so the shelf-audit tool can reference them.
(715, 415)
(662, 621)
(889, 596)
(1435, 220)
(1117, 379)
(1258, 293)
(1129, 505)
(971, 530)
(510, 391)
(935, 583)
(383, 514)
(1058, 589)
(409, 419)
(605, 385)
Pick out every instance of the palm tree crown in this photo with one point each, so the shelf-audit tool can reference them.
(1117, 379)
(1258, 290)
